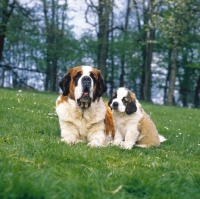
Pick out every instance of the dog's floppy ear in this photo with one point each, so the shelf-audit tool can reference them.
(114, 95)
(101, 86)
(109, 102)
(65, 83)
(131, 107)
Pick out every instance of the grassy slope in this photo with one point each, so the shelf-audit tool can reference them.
(34, 164)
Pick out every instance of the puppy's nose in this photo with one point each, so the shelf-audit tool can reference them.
(86, 81)
(115, 105)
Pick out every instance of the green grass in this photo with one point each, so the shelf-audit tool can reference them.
(35, 164)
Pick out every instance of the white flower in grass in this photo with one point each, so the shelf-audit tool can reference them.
(180, 133)
(34, 103)
(19, 91)
(177, 136)
(166, 128)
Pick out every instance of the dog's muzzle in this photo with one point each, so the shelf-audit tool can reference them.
(85, 99)
(115, 105)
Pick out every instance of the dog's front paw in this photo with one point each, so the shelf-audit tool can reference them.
(69, 141)
(94, 143)
(117, 142)
(126, 145)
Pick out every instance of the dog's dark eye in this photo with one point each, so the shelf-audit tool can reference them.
(92, 76)
(76, 78)
(124, 100)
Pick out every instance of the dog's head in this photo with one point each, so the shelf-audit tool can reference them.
(123, 100)
(83, 84)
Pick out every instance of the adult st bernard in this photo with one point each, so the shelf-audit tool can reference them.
(133, 126)
(83, 116)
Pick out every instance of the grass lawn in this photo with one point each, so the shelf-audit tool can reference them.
(35, 164)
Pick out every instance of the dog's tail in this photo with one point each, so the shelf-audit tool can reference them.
(162, 138)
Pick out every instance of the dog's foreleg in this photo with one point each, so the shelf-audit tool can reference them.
(69, 133)
(118, 138)
(96, 135)
(130, 139)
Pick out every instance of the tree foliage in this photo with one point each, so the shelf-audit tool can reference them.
(151, 47)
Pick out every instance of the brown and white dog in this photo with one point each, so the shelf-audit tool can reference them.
(132, 125)
(83, 116)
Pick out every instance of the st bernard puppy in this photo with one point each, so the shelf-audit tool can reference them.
(132, 125)
(83, 116)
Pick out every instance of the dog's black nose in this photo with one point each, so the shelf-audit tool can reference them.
(86, 81)
(115, 105)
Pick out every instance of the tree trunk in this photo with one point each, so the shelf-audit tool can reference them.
(53, 75)
(172, 78)
(6, 13)
(148, 37)
(147, 69)
(167, 78)
(104, 10)
(112, 54)
(3, 77)
(124, 45)
(121, 78)
(196, 94)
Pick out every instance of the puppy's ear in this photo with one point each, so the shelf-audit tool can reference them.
(65, 83)
(110, 102)
(114, 95)
(101, 86)
(131, 107)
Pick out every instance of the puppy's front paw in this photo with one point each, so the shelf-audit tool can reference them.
(126, 145)
(117, 142)
(69, 141)
(94, 143)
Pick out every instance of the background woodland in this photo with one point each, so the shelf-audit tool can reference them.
(149, 46)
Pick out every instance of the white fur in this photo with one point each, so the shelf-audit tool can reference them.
(126, 127)
(78, 125)
(78, 89)
(121, 92)
(162, 138)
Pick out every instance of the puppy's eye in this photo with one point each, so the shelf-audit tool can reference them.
(124, 100)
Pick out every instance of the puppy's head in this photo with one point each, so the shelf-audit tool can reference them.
(83, 84)
(123, 100)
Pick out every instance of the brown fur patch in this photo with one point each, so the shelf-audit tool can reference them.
(62, 99)
(130, 97)
(95, 73)
(73, 72)
(109, 122)
(148, 132)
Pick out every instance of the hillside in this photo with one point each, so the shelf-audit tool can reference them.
(35, 164)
